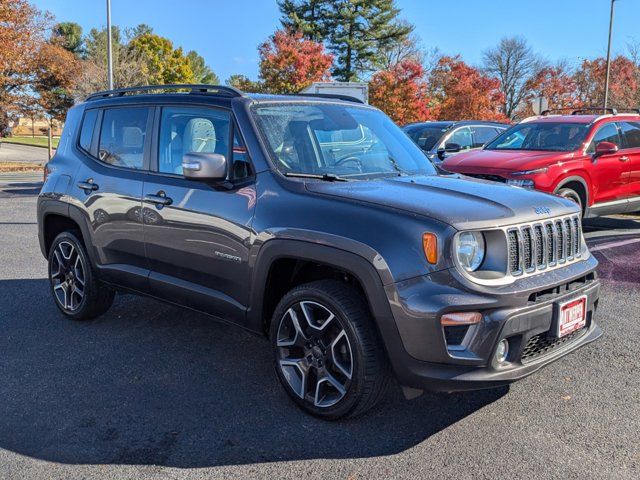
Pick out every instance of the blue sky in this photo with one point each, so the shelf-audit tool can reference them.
(227, 32)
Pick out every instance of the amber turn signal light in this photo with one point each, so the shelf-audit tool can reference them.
(460, 318)
(430, 246)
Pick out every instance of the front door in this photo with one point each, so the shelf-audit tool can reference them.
(197, 235)
(609, 173)
(109, 182)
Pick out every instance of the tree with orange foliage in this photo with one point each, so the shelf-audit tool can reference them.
(623, 84)
(56, 73)
(401, 92)
(289, 63)
(556, 84)
(21, 36)
(462, 92)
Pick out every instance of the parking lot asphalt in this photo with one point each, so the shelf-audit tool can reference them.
(152, 391)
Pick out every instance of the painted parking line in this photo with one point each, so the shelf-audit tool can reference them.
(606, 246)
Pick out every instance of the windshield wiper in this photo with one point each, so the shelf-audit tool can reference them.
(397, 168)
(327, 177)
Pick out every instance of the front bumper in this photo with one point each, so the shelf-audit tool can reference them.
(522, 314)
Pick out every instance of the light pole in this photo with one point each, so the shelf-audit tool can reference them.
(606, 79)
(109, 51)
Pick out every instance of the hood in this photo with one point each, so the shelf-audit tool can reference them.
(460, 202)
(494, 161)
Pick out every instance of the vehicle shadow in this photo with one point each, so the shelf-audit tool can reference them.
(152, 384)
(615, 242)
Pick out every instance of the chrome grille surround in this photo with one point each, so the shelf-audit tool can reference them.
(560, 239)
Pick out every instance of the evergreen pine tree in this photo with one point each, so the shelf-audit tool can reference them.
(355, 31)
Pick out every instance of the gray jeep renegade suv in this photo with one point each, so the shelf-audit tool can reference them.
(315, 221)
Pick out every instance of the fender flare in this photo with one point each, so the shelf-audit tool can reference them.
(575, 178)
(78, 216)
(361, 268)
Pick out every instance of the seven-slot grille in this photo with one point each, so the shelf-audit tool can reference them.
(543, 245)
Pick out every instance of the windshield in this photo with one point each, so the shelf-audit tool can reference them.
(556, 137)
(425, 137)
(334, 139)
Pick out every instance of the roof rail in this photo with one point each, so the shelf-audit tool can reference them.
(629, 110)
(579, 111)
(583, 110)
(194, 89)
(335, 96)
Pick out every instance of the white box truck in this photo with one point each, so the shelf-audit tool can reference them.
(359, 90)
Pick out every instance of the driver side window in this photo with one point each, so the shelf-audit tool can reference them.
(462, 137)
(606, 133)
(191, 129)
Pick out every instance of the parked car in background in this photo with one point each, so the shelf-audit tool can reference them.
(440, 140)
(316, 223)
(591, 159)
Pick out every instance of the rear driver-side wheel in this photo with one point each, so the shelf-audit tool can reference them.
(74, 285)
(326, 350)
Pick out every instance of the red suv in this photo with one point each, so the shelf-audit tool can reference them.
(593, 160)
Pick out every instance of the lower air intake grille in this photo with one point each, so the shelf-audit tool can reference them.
(544, 343)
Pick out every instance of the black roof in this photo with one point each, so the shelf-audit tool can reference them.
(454, 123)
(211, 91)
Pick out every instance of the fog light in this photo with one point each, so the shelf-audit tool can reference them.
(502, 351)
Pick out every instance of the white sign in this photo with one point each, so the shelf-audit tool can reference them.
(539, 105)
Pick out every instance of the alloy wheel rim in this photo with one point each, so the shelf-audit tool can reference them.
(314, 354)
(573, 198)
(67, 276)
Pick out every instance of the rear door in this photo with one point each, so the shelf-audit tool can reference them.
(483, 134)
(115, 148)
(631, 138)
(197, 242)
(609, 173)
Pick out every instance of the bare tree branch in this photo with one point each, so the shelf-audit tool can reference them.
(514, 63)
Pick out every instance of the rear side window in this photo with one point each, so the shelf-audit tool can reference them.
(86, 132)
(631, 134)
(482, 135)
(122, 137)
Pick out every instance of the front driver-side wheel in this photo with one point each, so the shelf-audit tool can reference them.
(74, 285)
(326, 350)
(572, 195)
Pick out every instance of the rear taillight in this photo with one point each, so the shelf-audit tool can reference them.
(45, 172)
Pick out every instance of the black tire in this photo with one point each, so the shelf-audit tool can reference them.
(572, 195)
(95, 299)
(369, 366)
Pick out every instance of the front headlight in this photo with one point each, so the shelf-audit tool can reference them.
(516, 182)
(531, 172)
(470, 250)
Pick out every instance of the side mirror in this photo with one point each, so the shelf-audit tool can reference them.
(448, 148)
(605, 148)
(452, 148)
(204, 166)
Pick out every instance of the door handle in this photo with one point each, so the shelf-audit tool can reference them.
(88, 185)
(624, 159)
(159, 198)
